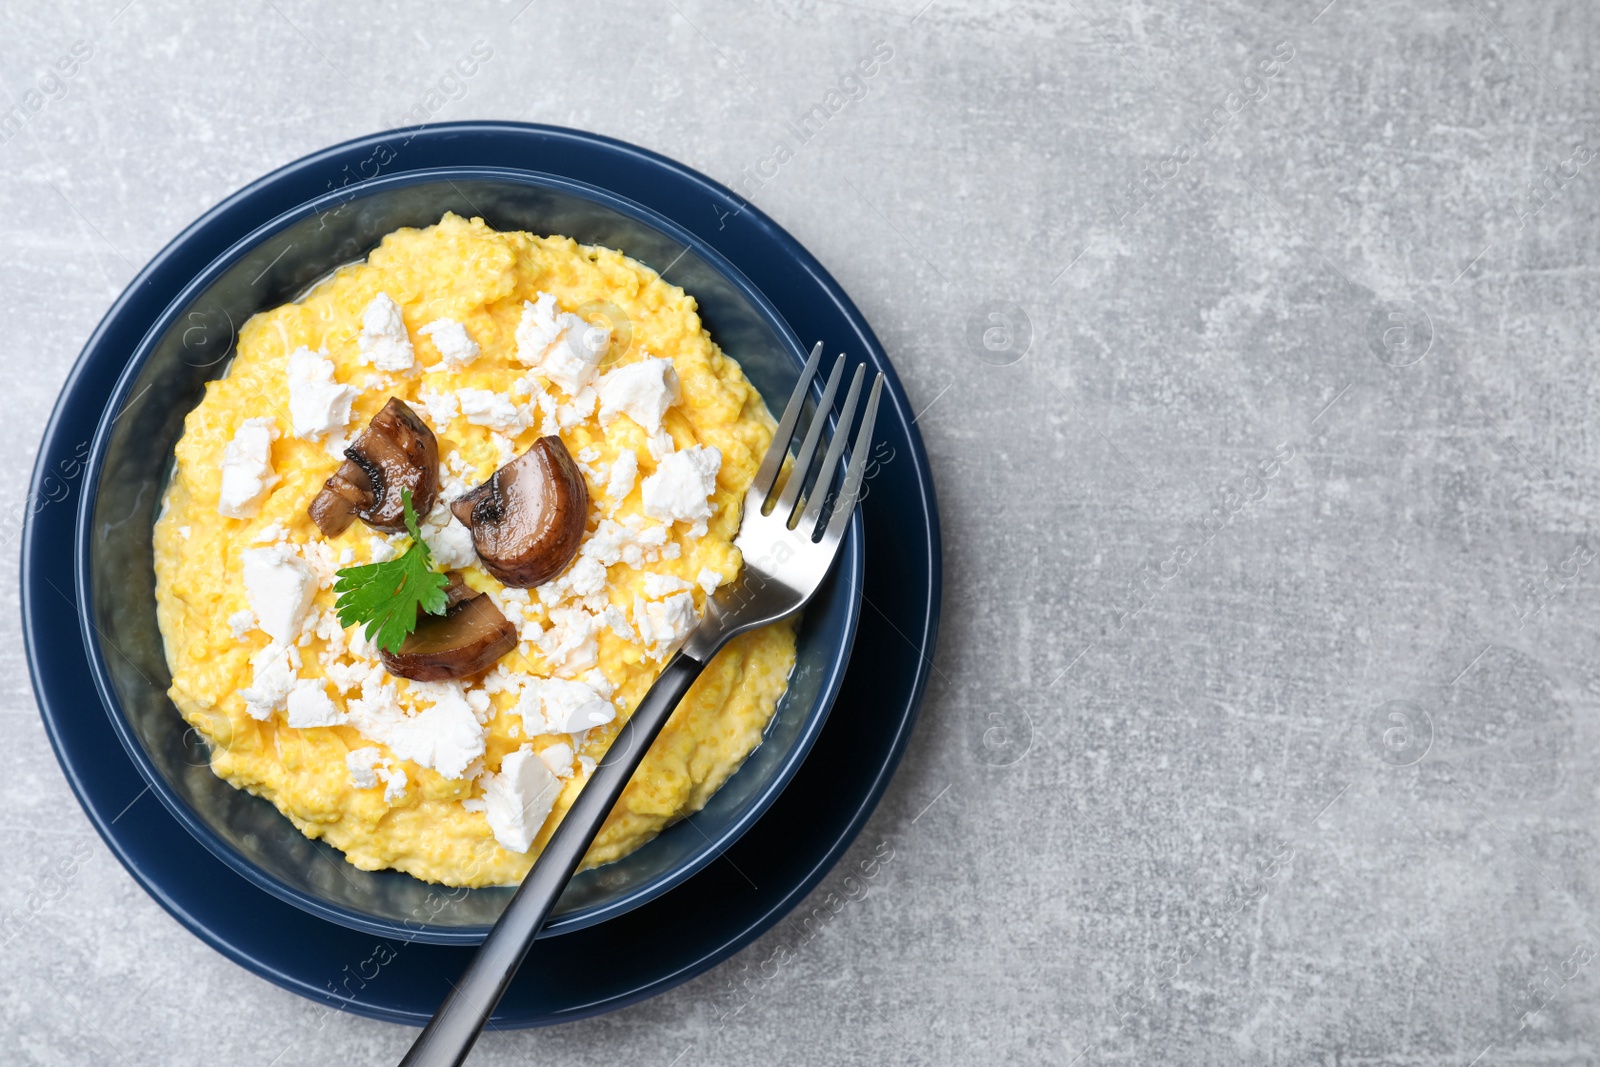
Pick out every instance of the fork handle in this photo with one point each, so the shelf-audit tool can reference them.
(454, 1029)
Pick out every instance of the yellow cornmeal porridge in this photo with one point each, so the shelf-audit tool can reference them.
(460, 285)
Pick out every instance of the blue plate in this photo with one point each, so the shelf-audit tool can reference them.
(128, 468)
(631, 956)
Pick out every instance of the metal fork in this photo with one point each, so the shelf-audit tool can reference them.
(789, 545)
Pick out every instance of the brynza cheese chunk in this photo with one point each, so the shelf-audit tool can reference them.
(519, 798)
(309, 705)
(682, 485)
(279, 586)
(642, 391)
(561, 706)
(383, 340)
(446, 737)
(481, 407)
(455, 346)
(272, 676)
(624, 470)
(247, 469)
(318, 405)
(560, 345)
(663, 623)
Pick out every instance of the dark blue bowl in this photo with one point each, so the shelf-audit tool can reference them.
(131, 457)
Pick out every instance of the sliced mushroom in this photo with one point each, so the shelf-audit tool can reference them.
(527, 520)
(467, 639)
(457, 591)
(394, 453)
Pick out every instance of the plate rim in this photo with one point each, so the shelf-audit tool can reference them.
(838, 657)
(34, 598)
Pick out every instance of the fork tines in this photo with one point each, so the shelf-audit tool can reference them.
(806, 491)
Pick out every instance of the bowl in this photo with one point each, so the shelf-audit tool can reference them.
(130, 459)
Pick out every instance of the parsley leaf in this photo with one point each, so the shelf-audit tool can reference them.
(389, 596)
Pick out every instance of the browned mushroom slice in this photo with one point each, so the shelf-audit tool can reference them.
(457, 590)
(394, 453)
(466, 640)
(334, 508)
(527, 520)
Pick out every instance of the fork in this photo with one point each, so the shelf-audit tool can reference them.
(789, 544)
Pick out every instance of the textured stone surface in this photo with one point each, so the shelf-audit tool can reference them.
(1264, 722)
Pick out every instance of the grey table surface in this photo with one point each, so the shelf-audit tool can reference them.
(1249, 340)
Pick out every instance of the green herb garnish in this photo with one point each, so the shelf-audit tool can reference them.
(388, 597)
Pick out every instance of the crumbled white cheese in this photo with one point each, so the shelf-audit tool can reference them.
(682, 485)
(560, 706)
(560, 345)
(519, 798)
(661, 445)
(384, 342)
(451, 545)
(483, 407)
(348, 676)
(662, 624)
(185, 532)
(482, 709)
(446, 736)
(318, 405)
(456, 476)
(708, 580)
(448, 540)
(247, 468)
(581, 407)
(377, 708)
(514, 609)
(657, 586)
(279, 586)
(273, 670)
(331, 631)
(394, 783)
(643, 391)
(548, 413)
(382, 549)
(241, 623)
(362, 764)
(597, 680)
(586, 764)
(362, 646)
(570, 643)
(347, 556)
(624, 542)
(502, 680)
(557, 758)
(272, 531)
(441, 407)
(455, 346)
(623, 472)
(309, 705)
(587, 576)
(538, 329)
(504, 450)
(320, 558)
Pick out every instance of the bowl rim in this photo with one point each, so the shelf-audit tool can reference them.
(850, 563)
